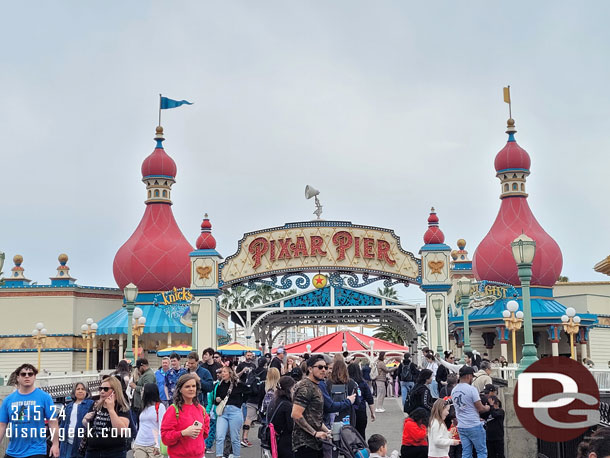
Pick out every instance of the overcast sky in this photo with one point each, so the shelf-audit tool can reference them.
(388, 108)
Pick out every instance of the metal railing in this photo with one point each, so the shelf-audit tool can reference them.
(602, 376)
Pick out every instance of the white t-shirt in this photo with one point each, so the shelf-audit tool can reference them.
(464, 396)
(72, 425)
(150, 426)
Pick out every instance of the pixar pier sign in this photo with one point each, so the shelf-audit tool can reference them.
(316, 246)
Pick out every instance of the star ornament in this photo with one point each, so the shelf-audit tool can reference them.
(319, 281)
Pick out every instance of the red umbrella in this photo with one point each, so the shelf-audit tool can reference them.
(333, 343)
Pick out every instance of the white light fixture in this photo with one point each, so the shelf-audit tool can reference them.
(194, 308)
(519, 314)
(43, 332)
(576, 319)
(84, 328)
(35, 332)
(512, 306)
(94, 326)
(130, 292)
(137, 313)
(565, 318)
(437, 304)
(463, 286)
(89, 321)
(505, 313)
(524, 249)
(570, 311)
(142, 320)
(39, 326)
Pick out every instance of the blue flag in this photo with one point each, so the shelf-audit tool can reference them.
(169, 103)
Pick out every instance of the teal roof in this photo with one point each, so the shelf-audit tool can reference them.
(157, 321)
(544, 311)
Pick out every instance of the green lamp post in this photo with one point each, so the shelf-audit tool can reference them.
(2, 257)
(524, 249)
(463, 285)
(131, 293)
(194, 306)
(438, 307)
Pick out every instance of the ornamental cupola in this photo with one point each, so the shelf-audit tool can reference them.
(493, 259)
(159, 173)
(512, 165)
(63, 277)
(156, 256)
(17, 276)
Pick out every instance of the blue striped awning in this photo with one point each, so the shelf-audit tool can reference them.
(157, 321)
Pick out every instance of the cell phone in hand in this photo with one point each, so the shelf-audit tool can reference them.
(196, 424)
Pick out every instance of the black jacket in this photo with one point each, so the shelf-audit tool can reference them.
(283, 424)
(495, 425)
(421, 397)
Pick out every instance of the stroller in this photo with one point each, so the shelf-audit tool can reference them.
(348, 442)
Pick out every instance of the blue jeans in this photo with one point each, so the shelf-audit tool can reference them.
(433, 389)
(230, 421)
(405, 387)
(67, 450)
(473, 437)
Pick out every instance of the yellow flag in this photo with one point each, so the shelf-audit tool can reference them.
(507, 94)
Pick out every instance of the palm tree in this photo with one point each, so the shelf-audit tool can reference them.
(236, 297)
(388, 292)
(389, 334)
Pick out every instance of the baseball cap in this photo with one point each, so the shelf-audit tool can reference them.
(280, 350)
(466, 370)
(489, 387)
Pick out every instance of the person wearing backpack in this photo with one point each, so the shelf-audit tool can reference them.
(147, 442)
(279, 414)
(355, 374)
(255, 382)
(408, 374)
(420, 396)
(185, 424)
(340, 387)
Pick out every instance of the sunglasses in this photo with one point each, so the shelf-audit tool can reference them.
(322, 368)
(105, 388)
(26, 374)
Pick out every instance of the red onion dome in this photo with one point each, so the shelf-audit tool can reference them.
(433, 235)
(156, 256)
(159, 163)
(512, 156)
(206, 240)
(493, 259)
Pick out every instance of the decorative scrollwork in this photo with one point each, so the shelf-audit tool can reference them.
(339, 279)
(302, 281)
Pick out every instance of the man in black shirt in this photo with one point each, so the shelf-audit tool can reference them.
(278, 361)
(208, 362)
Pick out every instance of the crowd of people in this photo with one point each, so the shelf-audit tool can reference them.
(187, 409)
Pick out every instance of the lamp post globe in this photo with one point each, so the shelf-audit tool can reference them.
(437, 304)
(130, 293)
(524, 250)
(194, 306)
(464, 285)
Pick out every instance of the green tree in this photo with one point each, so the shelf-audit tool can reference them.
(388, 292)
(389, 334)
(236, 297)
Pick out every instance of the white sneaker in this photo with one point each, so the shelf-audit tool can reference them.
(379, 410)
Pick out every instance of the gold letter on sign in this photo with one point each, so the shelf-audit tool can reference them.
(436, 266)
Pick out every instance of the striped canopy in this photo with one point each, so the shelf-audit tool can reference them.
(157, 321)
(182, 350)
(236, 349)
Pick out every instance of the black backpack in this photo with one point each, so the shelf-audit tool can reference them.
(264, 432)
(337, 393)
(414, 400)
(255, 384)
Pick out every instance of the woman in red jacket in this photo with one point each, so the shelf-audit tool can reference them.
(414, 435)
(185, 425)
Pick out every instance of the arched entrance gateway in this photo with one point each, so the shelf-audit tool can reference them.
(342, 257)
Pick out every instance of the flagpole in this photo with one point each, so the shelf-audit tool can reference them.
(510, 101)
(159, 109)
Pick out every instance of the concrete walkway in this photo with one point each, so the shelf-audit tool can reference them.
(388, 423)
